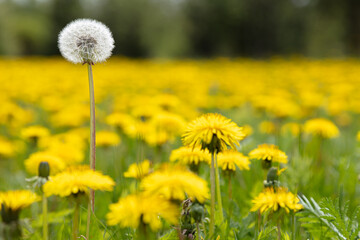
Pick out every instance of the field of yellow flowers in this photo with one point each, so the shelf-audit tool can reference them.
(281, 136)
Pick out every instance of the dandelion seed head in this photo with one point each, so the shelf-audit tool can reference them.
(86, 41)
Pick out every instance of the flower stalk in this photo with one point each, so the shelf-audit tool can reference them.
(45, 221)
(76, 219)
(212, 192)
(92, 158)
(218, 190)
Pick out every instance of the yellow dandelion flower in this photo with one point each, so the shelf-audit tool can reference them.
(156, 137)
(17, 199)
(173, 182)
(214, 132)
(273, 200)
(248, 130)
(189, 155)
(12, 202)
(7, 148)
(120, 120)
(74, 138)
(56, 164)
(267, 127)
(268, 152)
(292, 127)
(138, 170)
(228, 160)
(131, 210)
(321, 127)
(77, 179)
(107, 139)
(171, 123)
(34, 132)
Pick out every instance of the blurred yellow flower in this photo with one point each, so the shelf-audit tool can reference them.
(230, 159)
(172, 124)
(12, 202)
(77, 179)
(173, 182)
(56, 164)
(138, 170)
(248, 130)
(17, 199)
(119, 120)
(7, 148)
(189, 155)
(267, 127)
(131, 210)
(321, 127)
(34, 132)
(268, 152)
(107, 139)
(214, 132)
(274, 200)
(291, 127)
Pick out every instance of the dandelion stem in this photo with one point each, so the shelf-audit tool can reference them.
(88, 220)
(279, 229)
(76, 219)
(218, 191)
(230, 208)
(92, 131)
(293, 226)
(212, 190)
(198, 231)
(44, 212)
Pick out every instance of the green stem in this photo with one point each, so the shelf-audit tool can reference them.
(76, 220)
(258, 227)
(212, 190)
(45, 221)
(218, 191)
(279, 229)
(88, 220)
(92, 131)
(198, 231)
(230, 208)
(293, 226)
(142, 231)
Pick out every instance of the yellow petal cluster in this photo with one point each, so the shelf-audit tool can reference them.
(230, 159)
(271, 200)
(7, 148)
(17, 199)
(204, 129)
(189, 155)
(150, 209)
(107, 139)
(175, 182)
(268, 152)
(77, 179)
(321, 127)
(138, 171)
(36, 131)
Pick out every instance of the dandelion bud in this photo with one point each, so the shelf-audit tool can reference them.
(272, 175)
(44, 170)
(197, 212)
(86, 41)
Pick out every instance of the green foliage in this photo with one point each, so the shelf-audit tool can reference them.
(333, 215)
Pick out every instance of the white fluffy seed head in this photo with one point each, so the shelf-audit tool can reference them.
(86, 41)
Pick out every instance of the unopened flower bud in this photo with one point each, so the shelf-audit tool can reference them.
(44, 170)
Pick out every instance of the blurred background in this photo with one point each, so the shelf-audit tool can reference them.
(190, 28)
